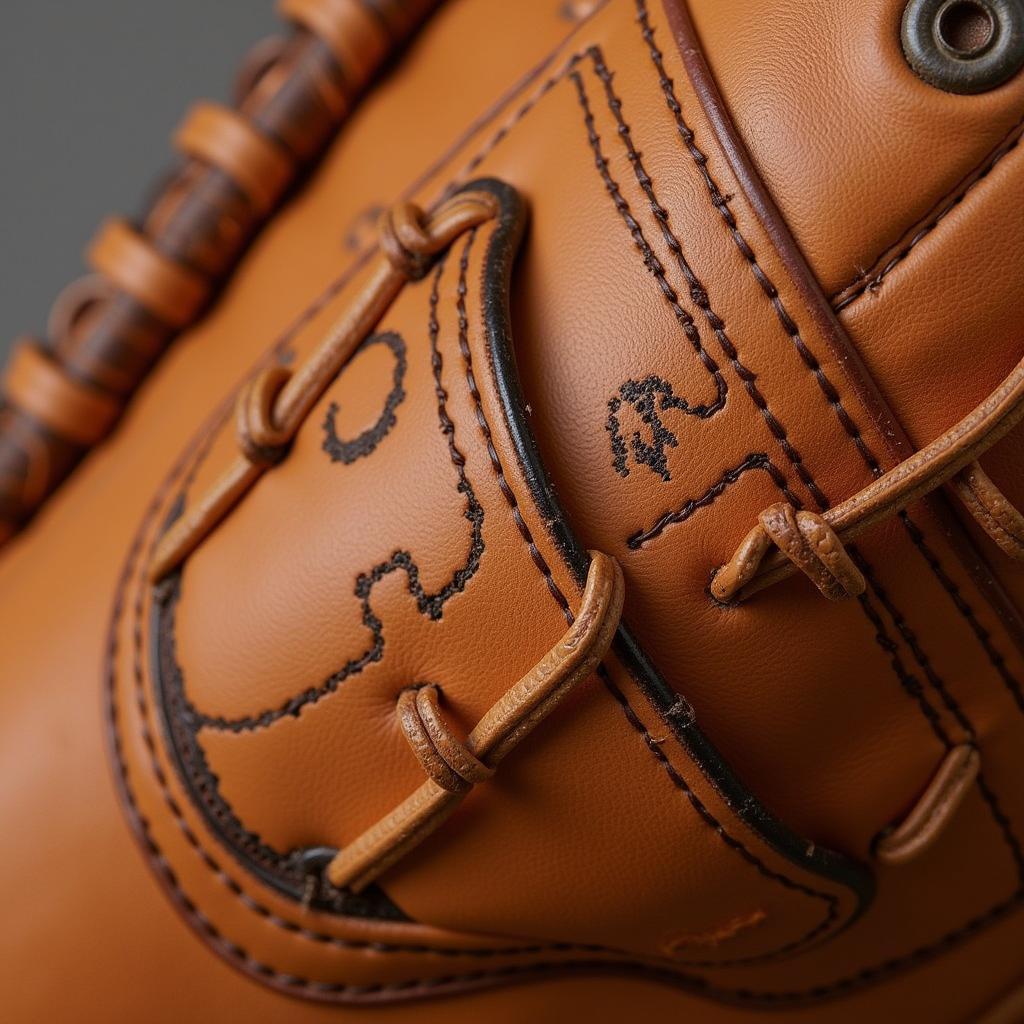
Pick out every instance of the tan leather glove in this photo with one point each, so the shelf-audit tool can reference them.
(527, 556)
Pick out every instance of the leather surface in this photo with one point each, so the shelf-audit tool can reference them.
(693, 839)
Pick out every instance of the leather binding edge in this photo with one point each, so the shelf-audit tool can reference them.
(823, 862)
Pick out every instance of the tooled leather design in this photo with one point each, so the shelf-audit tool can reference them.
(347, 451)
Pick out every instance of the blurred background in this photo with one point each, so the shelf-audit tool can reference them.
(91, 94)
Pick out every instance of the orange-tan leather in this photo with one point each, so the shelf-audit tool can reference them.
(740, 255)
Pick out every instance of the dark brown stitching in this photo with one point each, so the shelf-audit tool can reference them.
(913, 688)
(721, 204)
(560, 599)
(197, 452)
(661, 216)
(907, 681)
(965, 609)
(485, 429)
(810, 360)
(347, 451)
(870, 282)
(755, 461)
(279, 348)
(708, 818)
(649, 398)
(698, 293)
(650, 258)
(429, 604)
(506, 128)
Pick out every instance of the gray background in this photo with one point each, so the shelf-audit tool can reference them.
(92, 90)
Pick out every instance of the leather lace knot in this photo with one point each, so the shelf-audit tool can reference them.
(807, 540)
(452, 767)
(444, 757)
(405, 240)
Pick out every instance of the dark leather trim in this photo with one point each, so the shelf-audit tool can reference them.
(497, 317)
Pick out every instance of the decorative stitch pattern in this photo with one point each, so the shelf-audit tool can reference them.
(832, 396)
(792, 330)
(556, 592)
(649, 397)
(698, 292)
(757, 461)
(198, 452)
(359, 447)
(430, 605)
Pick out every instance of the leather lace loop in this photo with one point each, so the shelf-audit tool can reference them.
(453, 767)
(934, 809)
(444, 757)
(991, 509)
(273, 406)
(814, 543)
(404, 240)
(810, 544)
(261, 439)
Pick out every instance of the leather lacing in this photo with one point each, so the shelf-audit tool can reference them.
(270, 410)
(275, 403)
(784, 540)
(454, 766)
(155, 278)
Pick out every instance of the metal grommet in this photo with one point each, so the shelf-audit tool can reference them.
(964, 46)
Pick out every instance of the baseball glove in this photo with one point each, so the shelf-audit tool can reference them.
(505, 532)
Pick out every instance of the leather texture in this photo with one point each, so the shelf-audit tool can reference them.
(741, 264)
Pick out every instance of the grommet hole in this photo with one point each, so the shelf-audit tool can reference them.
(966, 28)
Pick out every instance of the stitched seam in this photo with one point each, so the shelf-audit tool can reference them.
(882, 637)
(965, 609)
(650, 258)
(698, 293)
(661, 216)
(563, 603)
(754, 461)
(810, 360)
(721, 204)
(913, 688)
(346, 451)
(199, 454)
(156, 856)
(680, 783)
(870, 281)
(908, 682)
(430, 605)
(278, 347)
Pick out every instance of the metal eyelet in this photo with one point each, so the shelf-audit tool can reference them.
(964, 46)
